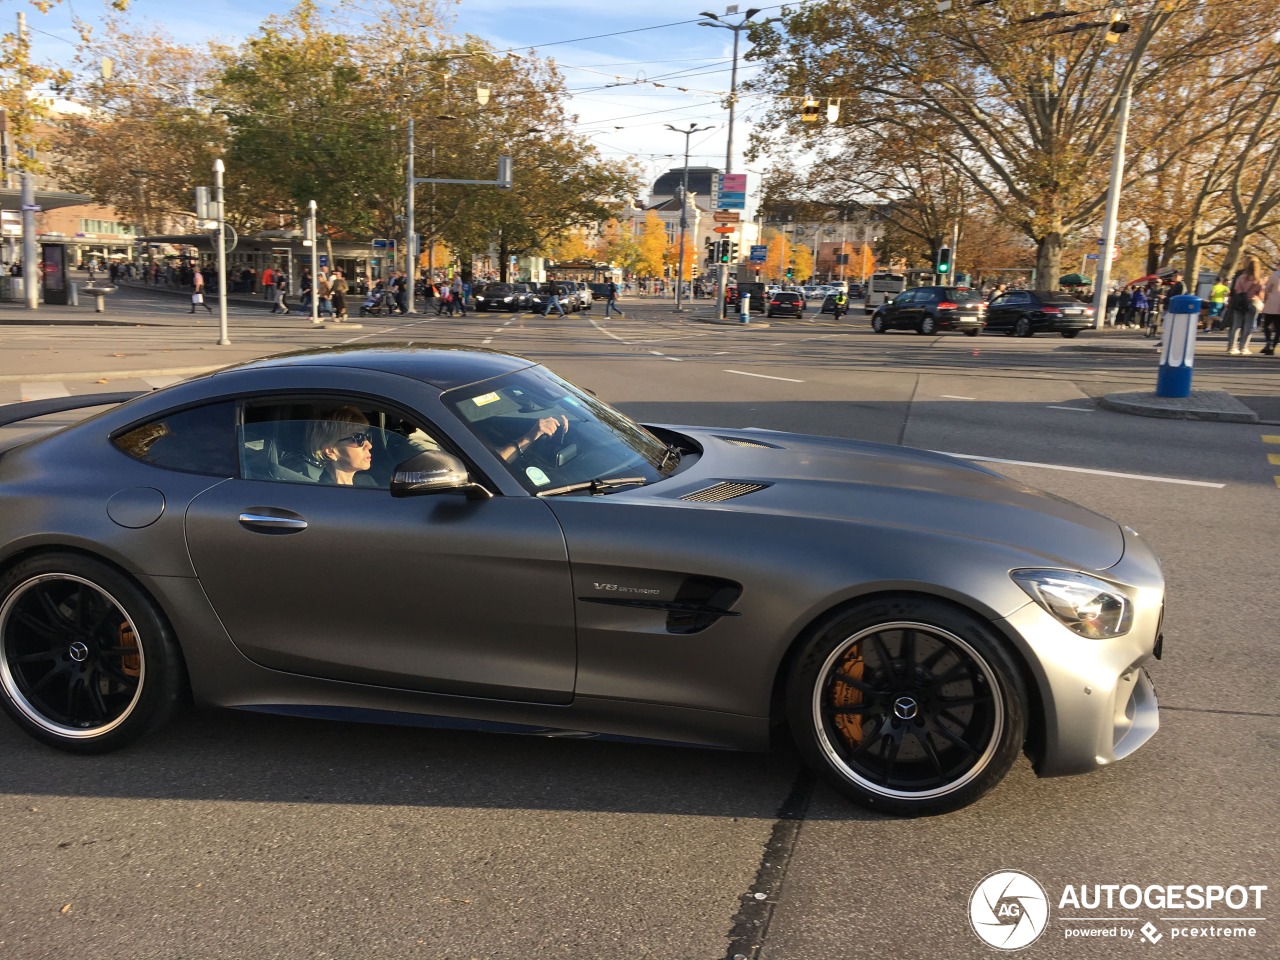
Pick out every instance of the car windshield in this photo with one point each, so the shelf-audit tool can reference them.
(599, 443)
(960, 294)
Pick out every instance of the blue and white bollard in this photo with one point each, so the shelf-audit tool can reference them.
(744, 308)
(1178, 355)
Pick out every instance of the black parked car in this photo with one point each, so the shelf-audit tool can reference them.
(787, 304)
(929, 310)
(1028, 312)
(498, 296)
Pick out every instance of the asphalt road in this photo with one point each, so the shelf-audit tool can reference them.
(233, 835)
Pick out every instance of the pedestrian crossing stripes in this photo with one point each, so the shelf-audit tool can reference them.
(1273, 458)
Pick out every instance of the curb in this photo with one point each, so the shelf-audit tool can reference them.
(117, 374)
(1200, 405)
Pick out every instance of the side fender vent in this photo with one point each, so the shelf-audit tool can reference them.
(724, 490)
(744, 442)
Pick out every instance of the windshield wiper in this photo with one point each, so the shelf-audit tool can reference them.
(596, 486)
(671, 451)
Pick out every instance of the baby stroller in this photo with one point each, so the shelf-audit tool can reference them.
(377, 302)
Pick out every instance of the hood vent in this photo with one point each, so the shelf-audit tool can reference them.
(744, 442)
(725, 490)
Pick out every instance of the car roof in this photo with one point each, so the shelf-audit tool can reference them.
(443, 366)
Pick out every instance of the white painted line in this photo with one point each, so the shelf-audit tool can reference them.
(159, 382)
(43, 391)
(1072, 409)
(497, 330)
(657, 354)
(507, 324)
(1098, 473)
(763, 376)
(486, 340)
(674, 359)
(947, 396)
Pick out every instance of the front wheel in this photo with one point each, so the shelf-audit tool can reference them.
(929, 326)
(87, 661)
(907, 705)
(878, 324)
(1023, 327)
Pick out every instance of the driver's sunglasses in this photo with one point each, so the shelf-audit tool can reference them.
(358, 439)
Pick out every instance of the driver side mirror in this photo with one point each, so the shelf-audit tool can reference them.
(435, 471)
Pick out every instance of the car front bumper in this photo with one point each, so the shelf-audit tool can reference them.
(1098, 704)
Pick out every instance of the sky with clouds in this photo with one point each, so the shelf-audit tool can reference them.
(611, 55)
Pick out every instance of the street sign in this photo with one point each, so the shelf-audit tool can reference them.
(33, 207)
(759, 253)
(1091, 256)
(733, 182)
(725, 229)
(726, 216)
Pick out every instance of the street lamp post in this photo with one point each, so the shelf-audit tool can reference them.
(220, 206)
(1113, 208)
(313, 237)
(714, 20)
(684, 212)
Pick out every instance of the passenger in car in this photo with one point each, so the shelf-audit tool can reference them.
(342, 443)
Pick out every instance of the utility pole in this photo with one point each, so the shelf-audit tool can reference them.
(220, 207)
(30, 276)
(1113, 209)
(684, 212)
(410, 274)
(313, 237)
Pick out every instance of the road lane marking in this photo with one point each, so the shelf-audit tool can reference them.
(947, 396)
(43, 391)
(1072, 409)
(763, 376)
(1273, 458)
(657, 353)
(1097, 473)
(486, 340)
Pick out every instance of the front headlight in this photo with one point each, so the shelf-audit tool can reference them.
(1085, 605)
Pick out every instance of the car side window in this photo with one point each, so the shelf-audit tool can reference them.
(907, 296)
(197, 440)
(327, 440)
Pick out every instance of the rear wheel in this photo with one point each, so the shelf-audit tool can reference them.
(907, 706)
(1023, 327)
(929, 326)
(1069, 334)
(87, 662)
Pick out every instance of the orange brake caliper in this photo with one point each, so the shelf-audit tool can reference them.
(130, 663)
(846, 695)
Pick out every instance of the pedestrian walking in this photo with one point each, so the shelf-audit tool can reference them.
(268, 284)
(1218, 304)
(459, 296)
(446, 301)
(324, 296)
(282, 293)
(1271, 311)
(338, 294)
(1245, 305)
(400, 287)
(197, 291)
(552, 292)
(611, 300)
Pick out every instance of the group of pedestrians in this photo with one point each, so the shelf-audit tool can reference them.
(1252, 297)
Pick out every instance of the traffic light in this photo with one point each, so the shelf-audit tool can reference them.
(733, 251)
(724, 251)
(791, 271)
(943, 264)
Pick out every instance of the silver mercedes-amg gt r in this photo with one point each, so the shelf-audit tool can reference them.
(414, 534)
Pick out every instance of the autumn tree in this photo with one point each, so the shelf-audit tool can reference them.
(652, 246)
(1027, 103)
(149, 134)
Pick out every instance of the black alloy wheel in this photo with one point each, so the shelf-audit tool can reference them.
(1023, 327)
(87, 662)
(907, 705)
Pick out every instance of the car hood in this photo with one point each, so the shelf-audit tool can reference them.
(887, 486)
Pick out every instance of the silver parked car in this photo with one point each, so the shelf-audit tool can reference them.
(513, 551)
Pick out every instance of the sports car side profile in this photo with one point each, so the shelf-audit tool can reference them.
(430, 534)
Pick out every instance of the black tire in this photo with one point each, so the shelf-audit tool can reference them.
(878, 324)
(907, 705)
(1069, 334)
(1023, 328)
(364, 311)
(87, 661)
(929, 326)
(974, 332)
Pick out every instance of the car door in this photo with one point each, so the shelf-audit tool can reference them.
(434, 593)
(899, 312)
(1004, 310)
